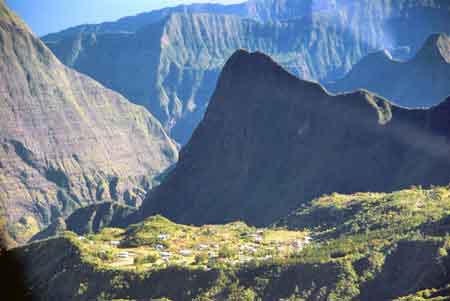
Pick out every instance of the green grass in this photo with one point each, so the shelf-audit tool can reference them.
(352, 239)
(209, 246)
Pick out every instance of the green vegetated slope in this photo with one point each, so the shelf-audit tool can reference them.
(171, 64)
(364, 246)
(66, 141)
(420, 82)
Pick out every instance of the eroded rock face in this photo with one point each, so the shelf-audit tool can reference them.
(169, 61)
(65, 140)
(270, 142)
(90, 219)
(420, 82)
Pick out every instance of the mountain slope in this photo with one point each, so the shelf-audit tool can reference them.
(270, 142)
(66, 141)
(365, 246)
(171, 65)
(422, 81)
(90, 219)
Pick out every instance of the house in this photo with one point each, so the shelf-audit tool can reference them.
(256, 237)
(81, 238)
(296, 244)
(165, 254)
(248, 248)
(163, 236)
(202, 247)
(159, 247)
(186, 252)
(243, 259)
(114, 243)
(123, 255)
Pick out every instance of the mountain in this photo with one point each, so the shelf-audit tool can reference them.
(169, 61)
(420, 82)
(90, 219)
(364, 246)
(270, 142)
(66, 141)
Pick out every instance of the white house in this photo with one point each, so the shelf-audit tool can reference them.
(165, 254)
(159, 247)
(203, 247)
(123, 255)
(186, 252)
(163, 236)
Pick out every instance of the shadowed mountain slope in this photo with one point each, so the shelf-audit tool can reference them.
(90, 219)
(364, 246)
(66, 141)
(422, 81)
(270, 142)
(170, 64)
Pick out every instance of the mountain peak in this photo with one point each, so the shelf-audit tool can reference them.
(438, 46)
(251, 67)
(242, 60)
(6, 15)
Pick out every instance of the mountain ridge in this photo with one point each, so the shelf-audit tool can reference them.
(67, 141)
(374, 140)
(419, 82)
(323, 46)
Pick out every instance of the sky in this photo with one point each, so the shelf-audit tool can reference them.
(47, 16)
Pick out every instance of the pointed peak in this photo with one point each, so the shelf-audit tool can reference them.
(244, 62)
(9, 17)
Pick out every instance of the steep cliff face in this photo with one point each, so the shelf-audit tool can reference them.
(66, 141)
(270, 142)
(169, 60)
(422, 81)
(87, 220)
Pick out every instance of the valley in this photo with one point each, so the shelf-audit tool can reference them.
(271, 150)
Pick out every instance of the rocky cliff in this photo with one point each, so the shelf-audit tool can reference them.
(87, 220)
(269, 142)
(420, 82)
(170, 63)
(66, 141)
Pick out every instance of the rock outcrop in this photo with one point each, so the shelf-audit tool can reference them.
(65, 140)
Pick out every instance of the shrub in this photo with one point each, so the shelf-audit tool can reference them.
(201, 258)
(226, 252)
(152, 258)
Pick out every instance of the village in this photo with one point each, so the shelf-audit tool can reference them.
(158, 243)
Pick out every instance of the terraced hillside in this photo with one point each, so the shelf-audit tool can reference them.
(364, 246)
